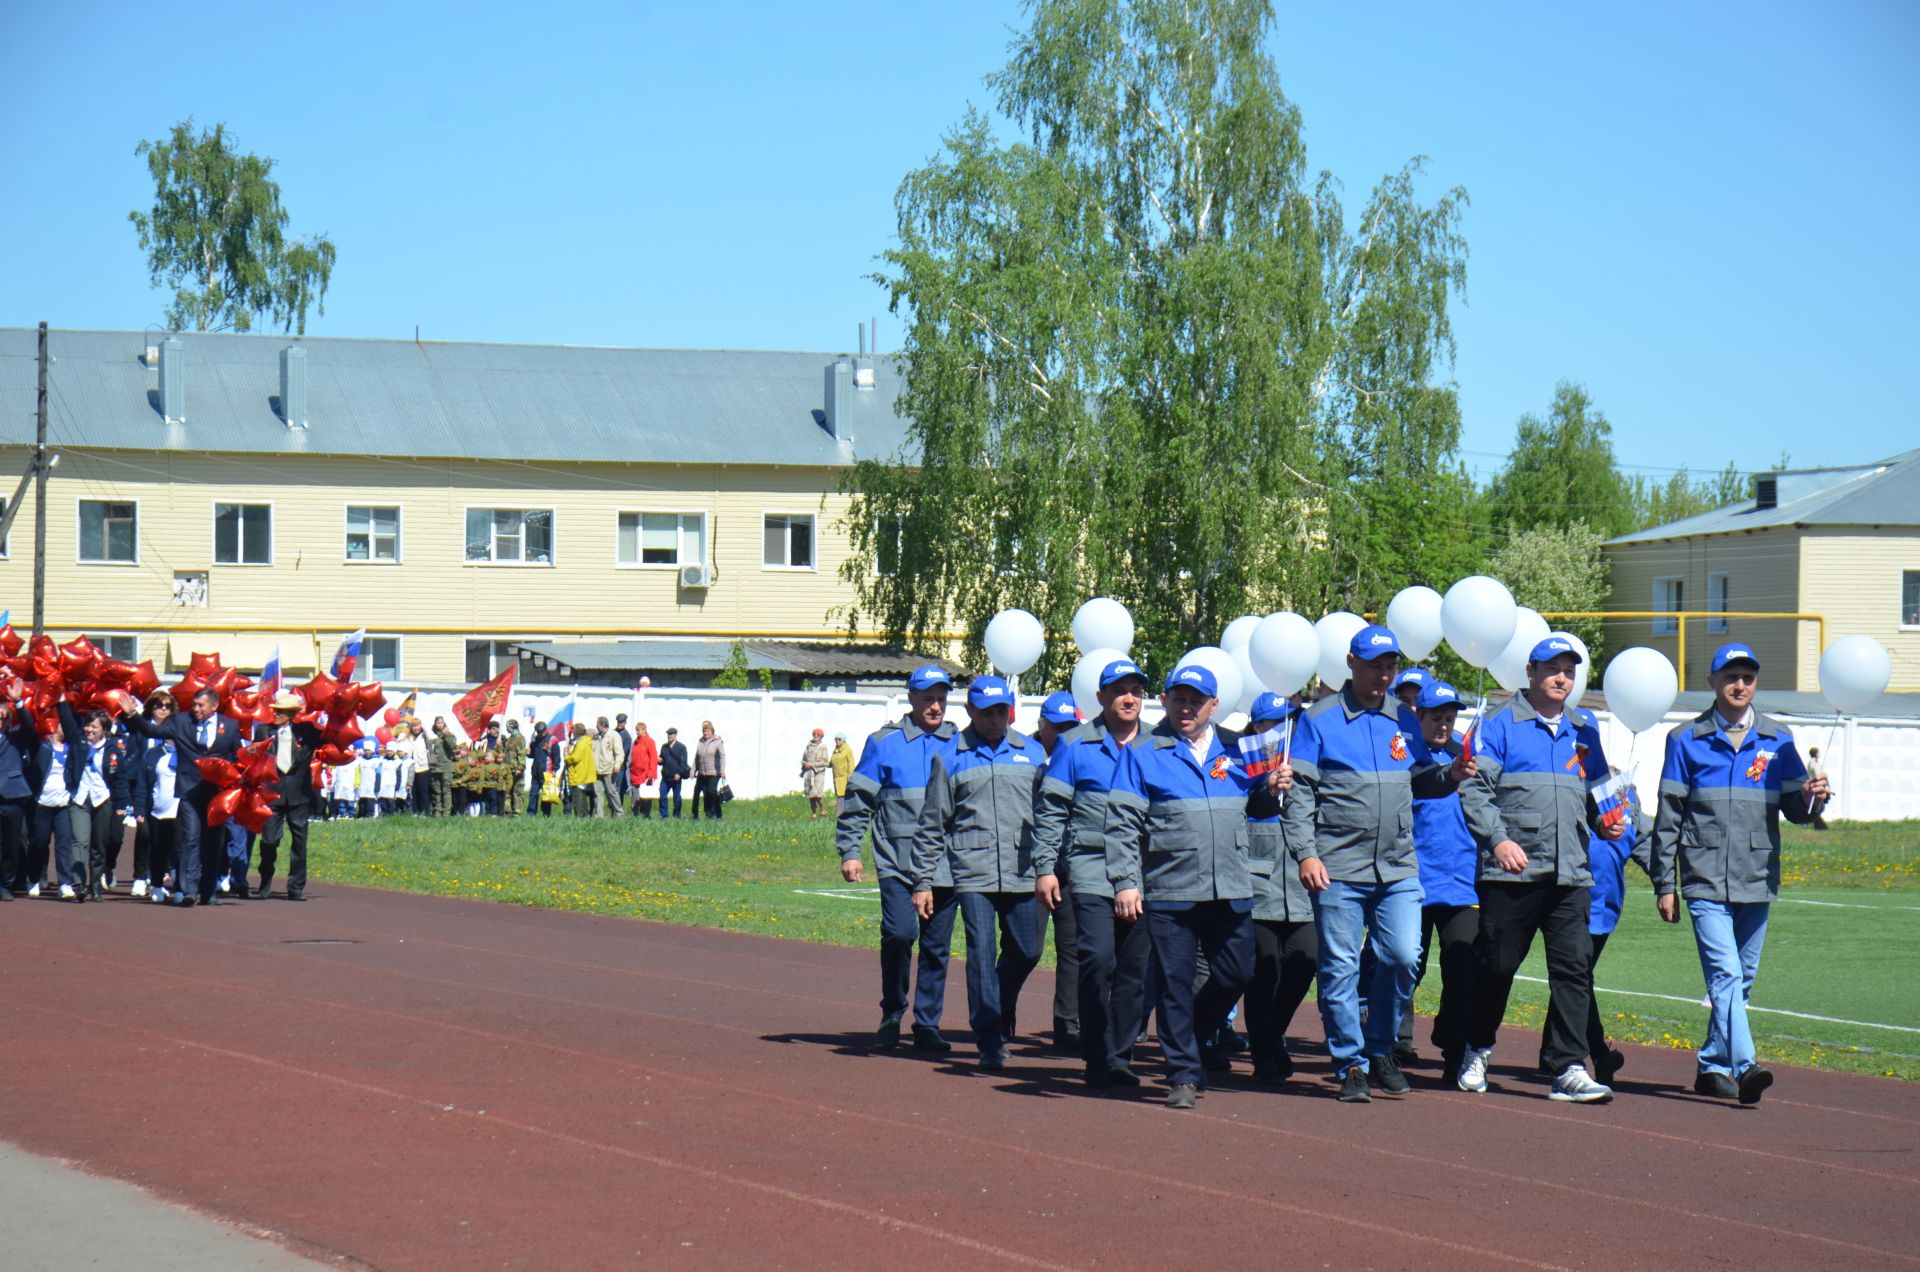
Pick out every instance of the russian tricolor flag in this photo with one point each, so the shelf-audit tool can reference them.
(1261, 751)
(562, 722)
(1610, 797)
(345, 657)
(270, 678)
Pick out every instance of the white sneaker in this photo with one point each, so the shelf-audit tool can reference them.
(67, 893)
(1473, 1070)
(158, 896)
(139, 888)
(111, 881)
(1576, 1087)
(226, 884)
(34, 891)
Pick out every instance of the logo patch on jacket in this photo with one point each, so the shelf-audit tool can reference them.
(1220, 766)
(1579, 760)
(1758, 769)
(1398, 747)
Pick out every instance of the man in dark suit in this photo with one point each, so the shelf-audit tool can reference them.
(18, 745)
(673, 771)
(197, 735)
(293, 744)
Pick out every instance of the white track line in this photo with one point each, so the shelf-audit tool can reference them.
(1846, 905)
(1771, 1011)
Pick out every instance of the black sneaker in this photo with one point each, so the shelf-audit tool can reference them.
(1215, 1060)
(1608, 1063)
(1181, 1096)
(1353, 1087)
(993, 1059)
(1384, 1072)
(1717, 1085)
(1121, 1076)
(1404, 1053)
(1267, 1073)
(1066, 1038)
(926, 1039)
(1754, 1083)
(887, 1036)
(1228, 1042)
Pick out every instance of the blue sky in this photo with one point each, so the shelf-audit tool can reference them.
(1701, 211)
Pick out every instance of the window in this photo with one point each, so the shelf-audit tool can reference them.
(889, 545)
(379, 659)
(242, 534)
(789, 541)
(1667, 594)
(506, 535)
(1910, 598)
(487, 659)
(1717, 597)
(108, 530)
(662, 538)
(373, 533)
(123, 648)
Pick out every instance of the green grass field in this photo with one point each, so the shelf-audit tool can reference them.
(1837, 986)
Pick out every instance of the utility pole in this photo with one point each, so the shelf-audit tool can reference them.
(40, 497)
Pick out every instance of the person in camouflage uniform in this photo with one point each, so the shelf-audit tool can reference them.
(442, 749)
(513, 753)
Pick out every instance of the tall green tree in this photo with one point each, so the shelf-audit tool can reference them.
(1656, 503)
(1146, 355)
(1562, 471)
(217, 235)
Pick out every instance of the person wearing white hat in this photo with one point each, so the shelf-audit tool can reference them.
(292, 742)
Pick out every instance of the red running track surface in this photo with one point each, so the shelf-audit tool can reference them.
(410, 1082)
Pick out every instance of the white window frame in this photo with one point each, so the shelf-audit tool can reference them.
(363, 667)
(706, 541)
(1721, 604)
(554, 521)
(1667, 626)
(79, 505)
(811, 567)
(213, 533)
(399, 535)
(1905, 626)
(99, 637)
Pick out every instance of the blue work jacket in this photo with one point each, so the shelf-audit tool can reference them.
(886, 789)
(1720, 809)
(1532, 789)
(1354, 777)
(1449, 862)
(976, 824)
(1070, 814)
(1177, 828)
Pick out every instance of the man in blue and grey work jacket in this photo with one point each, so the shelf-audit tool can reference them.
(1530, 808)
(1728, 778)
(976, 830)
(1070, 843)
(1350, 829)
(887, 788)
(1177, 853)
(1286, 950)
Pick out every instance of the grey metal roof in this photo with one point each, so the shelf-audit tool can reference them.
(1882, 494)
(430, 399)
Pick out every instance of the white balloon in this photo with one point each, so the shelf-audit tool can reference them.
(1854, 671)
(1014, 640)
(1239, 632)
(1510, 668)
(1284, 651)
(1640, 685)
(1477, 617)
(1413, 616)
(1103, 623)
(1250, 685)
(1581, 673)
(1086, 679)
(1335, 633)
(1226, 674)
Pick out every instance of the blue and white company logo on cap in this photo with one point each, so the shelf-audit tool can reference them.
(1268, 706)
(1735, 652)
(1437, 694)
(1373, 641)
(1120, 669)
(1194, 676)
(989, 691)
(1059, 709)
(927, 677)
(1550, 648)
(1415, 676)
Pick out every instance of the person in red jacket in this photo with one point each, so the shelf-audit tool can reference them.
(643, 771)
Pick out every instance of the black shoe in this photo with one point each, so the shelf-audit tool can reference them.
(1121, 1076)
(1181, 1096)
(1717, 1085)
(1450, 1068)
(1384, 1072)
(1353, 1087)
(6, 894)
(1098, 1079)
(925, 1039)
(188, 901)
(1267, 1073)
(1608, 1063)
(887, 1036)
(96, 893)
(1065, 1037)
(295, 894)
(993, 1059)
(1229, 1042)
(1214, 1060)
(1404, 1053)
(1754, 1083)
(265, 890)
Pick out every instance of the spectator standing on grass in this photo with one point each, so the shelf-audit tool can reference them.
(842, 761)
(544, 758)
(420, 794)
(608, 759)
(582, 772)
(626, 762)
(816, 773)
(513, 754)
(1070, 865)
(674, 769)
(643, 771)
(887, 791)
(1530, 807)
(441, 749)
(709, 772)
(1728, 778)
(1059, 717)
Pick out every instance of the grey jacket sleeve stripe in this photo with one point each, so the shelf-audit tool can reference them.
(863, 796)
(1126, 825)
(931, 838)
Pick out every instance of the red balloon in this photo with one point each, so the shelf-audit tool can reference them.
(221, 773)
(221, 682)
(319, 692)
(224, 805)
(121, 702)
(203, 666)
(77, 656)
(332, 756)
(372, 697)
(143, 681)
(391, 715)
(344, 731)
(10, 642)
(261, 770)
(383, 734)
(254, 811)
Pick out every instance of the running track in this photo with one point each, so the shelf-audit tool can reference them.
(459, 1084)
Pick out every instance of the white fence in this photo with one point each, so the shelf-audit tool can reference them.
(1874, 763)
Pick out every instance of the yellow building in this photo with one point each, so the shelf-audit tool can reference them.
(241, 492)
(1843, 543)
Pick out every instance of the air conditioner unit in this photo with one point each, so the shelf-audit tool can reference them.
(696, 576)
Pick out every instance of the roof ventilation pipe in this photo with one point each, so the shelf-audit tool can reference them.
(173, 381)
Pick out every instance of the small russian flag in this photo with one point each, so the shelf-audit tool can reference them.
(1261, 752)
(1610, 797)
(562, 722)
(345, 657)
(270, 678)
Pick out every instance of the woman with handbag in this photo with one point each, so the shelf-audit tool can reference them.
(709, 772)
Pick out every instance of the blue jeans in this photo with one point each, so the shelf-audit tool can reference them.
(1180, 937)
(1729, 935)
(993, 983)
(1342, 917)
(900, 927)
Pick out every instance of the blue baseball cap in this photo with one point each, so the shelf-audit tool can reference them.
(1120, 669)
(1194, 676)
(989, 691)
(1551, 648)
(1437, 693)
(1418, 677)
(1060, 709)
(1373, 641)
(1269, 706)
(1735, 652)
(927, 677)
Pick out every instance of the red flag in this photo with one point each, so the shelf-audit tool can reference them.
(477, 706)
